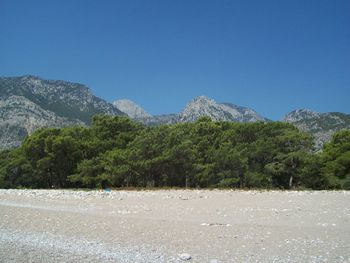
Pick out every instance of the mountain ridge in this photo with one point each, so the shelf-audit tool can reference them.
(198, 107)
(321, 125)
(30, 102)
(67, 99)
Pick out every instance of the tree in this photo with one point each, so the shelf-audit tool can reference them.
(118, 152)
(310, 174)
(336, 158)
(16, 171)
(87, 173)
(114, 131)
(232, 165)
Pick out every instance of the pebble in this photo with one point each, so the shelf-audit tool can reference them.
(185, 256)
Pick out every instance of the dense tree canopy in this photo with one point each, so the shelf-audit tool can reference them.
(118, 152)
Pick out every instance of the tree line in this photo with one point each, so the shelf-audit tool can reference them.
(119, 152)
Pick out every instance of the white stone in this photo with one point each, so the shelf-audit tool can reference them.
(185, 256)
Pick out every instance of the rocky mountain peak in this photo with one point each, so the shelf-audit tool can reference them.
(202, 99)
(132, 109)
(300, 114)
(203, 106)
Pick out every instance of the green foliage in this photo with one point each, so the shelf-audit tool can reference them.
(15, 170)
(118, 152)
(87, 173)
(336, 158)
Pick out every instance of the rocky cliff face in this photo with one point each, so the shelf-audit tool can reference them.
(28, 103)
(321, 125)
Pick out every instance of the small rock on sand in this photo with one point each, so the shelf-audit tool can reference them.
(185, 256)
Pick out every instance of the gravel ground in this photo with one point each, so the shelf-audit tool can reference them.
(174, 226)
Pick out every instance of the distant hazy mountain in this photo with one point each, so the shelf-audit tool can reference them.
(28, 103)
(321, 125)
(133, 110)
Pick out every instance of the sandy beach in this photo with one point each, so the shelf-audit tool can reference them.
(174, 226)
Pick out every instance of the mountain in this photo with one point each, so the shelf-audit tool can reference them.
(133, 110)
(28, 103)
(204, 106)
(242, 114)
(198, 107)
(321, 125)
(20, 117)
(136, 112)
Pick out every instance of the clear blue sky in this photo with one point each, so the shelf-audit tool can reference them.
(273, 56)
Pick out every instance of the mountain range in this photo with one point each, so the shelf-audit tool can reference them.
(199, 107)
(321, 125)
(29, 102)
